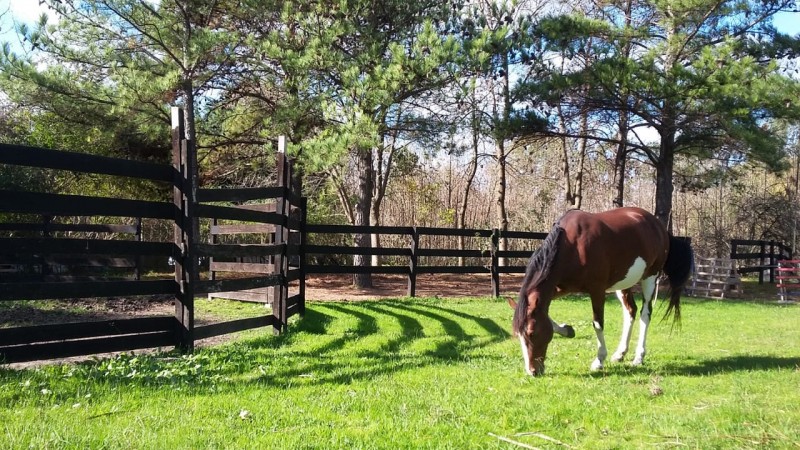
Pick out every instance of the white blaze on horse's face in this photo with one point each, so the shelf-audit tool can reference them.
(525, 354)
(635, 273)
(535, 369)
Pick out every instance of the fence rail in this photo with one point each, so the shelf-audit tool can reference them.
(759, 256)
(490, 253)
(25, 241)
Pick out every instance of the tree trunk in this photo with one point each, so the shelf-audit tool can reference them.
(664, 167)
(577, 195)
(620, 162)
(500, 196)
(473, 169)
(361, 214)
(500, 154)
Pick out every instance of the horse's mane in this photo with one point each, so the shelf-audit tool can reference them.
(538, 269)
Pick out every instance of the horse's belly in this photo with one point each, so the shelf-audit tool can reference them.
(634, 275)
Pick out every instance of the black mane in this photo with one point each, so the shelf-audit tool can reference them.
(537, 271)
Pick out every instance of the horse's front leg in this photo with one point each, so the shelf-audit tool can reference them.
(649, 288)
(628, 315)
(563, 329)
(598, 303)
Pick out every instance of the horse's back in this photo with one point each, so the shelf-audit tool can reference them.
(603, 248)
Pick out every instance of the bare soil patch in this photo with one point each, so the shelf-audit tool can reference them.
(340, 287)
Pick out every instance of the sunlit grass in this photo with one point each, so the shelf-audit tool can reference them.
(429, 373)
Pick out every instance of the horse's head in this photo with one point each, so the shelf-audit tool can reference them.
(534, 329)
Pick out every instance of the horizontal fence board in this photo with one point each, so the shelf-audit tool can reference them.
(252, 295)
(514, 253)
(81, 205)
(453, 269)
(236, 250)
(343, 250)
(293, 300)
(263, 207)
(84, 289)
(454, 253)
(64, 349)
(238, 194)
(261, 228)
(294, 275)
(64, 331)
(754, 255)
(242, 267)
(82, 162)
(53, 246)
(523, 235)
(92, 261)
(236, 213)
(237, 284)
(352, 229)
(292, 310)
(71, 227)
(511, 269)
(218, 329)
(317, 269)
(468, 232)
(753, 269)
(748, 242)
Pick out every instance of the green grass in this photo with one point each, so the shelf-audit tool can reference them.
(429, 373)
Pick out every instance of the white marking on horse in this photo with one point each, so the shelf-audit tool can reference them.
(633, 276)
(525, 354)
(627, 326)
(649, 290)
(597, 364)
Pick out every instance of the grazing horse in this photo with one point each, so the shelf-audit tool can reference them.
(596, 254)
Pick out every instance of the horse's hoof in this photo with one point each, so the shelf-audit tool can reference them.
(596, 366)
(568, 330)
(638, 361)
(617, 357)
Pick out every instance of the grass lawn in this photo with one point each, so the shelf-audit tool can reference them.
(430, 373)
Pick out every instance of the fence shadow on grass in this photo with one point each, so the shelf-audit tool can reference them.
(365, 351)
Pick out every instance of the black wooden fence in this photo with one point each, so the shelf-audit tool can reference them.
(759, 256)
(189, 205)
(489, 252)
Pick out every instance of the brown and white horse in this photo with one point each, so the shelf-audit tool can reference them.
(596, 254)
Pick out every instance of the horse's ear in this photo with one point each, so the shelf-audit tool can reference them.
(511, 302)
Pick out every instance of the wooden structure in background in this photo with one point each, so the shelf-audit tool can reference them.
(788, 280)
(715, 278)
(759, 256)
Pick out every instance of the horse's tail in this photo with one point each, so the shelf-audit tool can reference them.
(678, 268)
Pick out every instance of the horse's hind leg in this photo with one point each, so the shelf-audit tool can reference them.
(628, 315)
(649, 288)
(563, 329)
(598, 303)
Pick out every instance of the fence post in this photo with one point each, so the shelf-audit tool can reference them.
(772, 261)
(281, 264)
(302, 255)
(761, 262)
(138, 261)
(412, 264)
(495, 264)
(184, 191)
